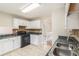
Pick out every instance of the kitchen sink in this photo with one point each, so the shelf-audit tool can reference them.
(63, 46)
(61, 52)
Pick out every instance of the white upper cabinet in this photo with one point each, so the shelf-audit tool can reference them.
(34, 24)
(18, 21)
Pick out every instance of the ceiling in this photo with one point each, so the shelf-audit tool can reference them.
(44, 10)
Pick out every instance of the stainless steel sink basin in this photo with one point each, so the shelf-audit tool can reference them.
(63, 46)
(61, 52)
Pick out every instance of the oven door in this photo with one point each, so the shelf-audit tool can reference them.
(25, 40)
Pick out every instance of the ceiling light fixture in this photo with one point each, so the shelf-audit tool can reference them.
(30, 7)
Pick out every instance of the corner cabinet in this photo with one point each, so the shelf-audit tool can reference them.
(9, 44)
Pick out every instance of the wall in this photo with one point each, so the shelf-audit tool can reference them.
(5, 24)
(58, 23)
(5, 30)
(54, 25)
(46, 24)
(5, 20)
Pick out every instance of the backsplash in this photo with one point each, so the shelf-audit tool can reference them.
(5, 30)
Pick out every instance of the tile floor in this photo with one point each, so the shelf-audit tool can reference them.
(30, 50)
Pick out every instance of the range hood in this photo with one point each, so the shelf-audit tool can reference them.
(22, 27)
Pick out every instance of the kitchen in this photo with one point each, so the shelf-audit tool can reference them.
(24, 32)
(35, 32)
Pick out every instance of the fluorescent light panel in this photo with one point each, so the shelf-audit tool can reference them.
(30, 7)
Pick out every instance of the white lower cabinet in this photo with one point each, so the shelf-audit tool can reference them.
(1, 47)
(35, 39)
(17, 42)
(9, 44)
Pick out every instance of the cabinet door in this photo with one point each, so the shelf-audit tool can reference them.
(17, 42)
(15, 23)
(1, 47)
(34, 39)
(10, 42)
(7, 45)
(18, 21)
(34, 24)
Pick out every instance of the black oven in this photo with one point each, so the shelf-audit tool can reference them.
(25, 38)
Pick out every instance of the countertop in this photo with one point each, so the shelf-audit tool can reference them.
(8, 36)
(14, 35)
(36, 33)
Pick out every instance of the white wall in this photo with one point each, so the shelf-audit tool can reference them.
(5, 24)
(58, 23)
(55, 24)
(46, 24)
(5, 30)
(5, 20)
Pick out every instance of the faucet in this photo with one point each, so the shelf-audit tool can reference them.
(70, 45)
